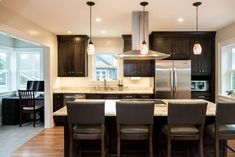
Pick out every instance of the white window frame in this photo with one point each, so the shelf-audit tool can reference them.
(94, 66)
(28, 51)
(7, 51)
(231, 71)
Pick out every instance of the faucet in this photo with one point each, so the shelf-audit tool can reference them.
(105, 84)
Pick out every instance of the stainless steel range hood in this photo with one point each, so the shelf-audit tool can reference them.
(137, 39)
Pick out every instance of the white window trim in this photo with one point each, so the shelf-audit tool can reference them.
(93, 78)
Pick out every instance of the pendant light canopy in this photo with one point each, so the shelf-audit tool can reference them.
(144, 47)
(90, 47)
(197, 48)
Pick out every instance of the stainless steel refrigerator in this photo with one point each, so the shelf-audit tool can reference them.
(173, 79)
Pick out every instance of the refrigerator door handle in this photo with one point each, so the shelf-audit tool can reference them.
(171, 80)
(176, 81)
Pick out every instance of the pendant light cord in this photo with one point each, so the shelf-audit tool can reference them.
(144, 24)
(197, 18)
(90, 23)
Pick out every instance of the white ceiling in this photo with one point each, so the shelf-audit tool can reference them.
(59, 16)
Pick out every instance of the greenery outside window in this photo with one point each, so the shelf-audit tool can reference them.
(106, 66)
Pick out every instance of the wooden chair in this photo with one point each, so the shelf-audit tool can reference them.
(185, 122)
(86, 121)
(28, 104)
(134, 122)
(224, 127)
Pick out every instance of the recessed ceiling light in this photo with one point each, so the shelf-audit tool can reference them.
(69, 32)
(98, 19)
(103, 32)
(180, 19)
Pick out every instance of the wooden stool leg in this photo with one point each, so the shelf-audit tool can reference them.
(150, 147)
(20, 119)
(118, 147)
(102, 147)
(168, 147)
(216, 146)
(34, 118)
(200, 146)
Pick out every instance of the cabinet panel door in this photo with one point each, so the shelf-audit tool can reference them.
(80, 59)
(206, 56)
(181, 48)
(130, 68)
(146, 68)
(162, 44)
(66, 56)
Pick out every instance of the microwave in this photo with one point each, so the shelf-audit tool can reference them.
(199, 85)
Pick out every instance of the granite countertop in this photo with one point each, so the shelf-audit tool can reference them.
(159, 110)
(108, 90)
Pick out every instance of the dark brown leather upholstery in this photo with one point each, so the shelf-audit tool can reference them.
(134, 122)
(224, 127)
(86, 122)
(28, 104)
(185, 122)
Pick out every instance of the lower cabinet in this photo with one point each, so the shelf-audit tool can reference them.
(119, 96)
(202, 95)
(58, 102)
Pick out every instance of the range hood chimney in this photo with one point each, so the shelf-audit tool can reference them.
(138, 37)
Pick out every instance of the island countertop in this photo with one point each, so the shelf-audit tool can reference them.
(159, 110)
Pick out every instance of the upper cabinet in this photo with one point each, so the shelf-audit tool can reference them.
(72, 56)
(127, 42)
(203, 64)
(173, 43)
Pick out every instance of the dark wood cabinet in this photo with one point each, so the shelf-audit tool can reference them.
(127, 42)
(58, 101)
(139, 68)
(202, 64)
(202, 95)
(175, 44)
(72, 56)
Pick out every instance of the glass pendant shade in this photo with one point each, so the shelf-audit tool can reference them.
(197, 49)
(144, 48)
(90, 48)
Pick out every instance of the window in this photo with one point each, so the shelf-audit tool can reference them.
(233, 68)
(106, 66)
(4, 70)
(29, 68)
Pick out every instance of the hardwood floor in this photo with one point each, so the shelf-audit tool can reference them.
(50, 143)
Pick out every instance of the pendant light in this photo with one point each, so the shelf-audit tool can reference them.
(90, 47)
(197, 48)
(144, 47)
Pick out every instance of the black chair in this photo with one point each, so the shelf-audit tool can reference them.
(224, 127)
(134, 122)
(185, 122)
(28, 105)
(86, 121)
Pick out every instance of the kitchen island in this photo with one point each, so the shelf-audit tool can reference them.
(180, 149)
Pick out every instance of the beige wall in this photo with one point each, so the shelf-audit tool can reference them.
(20, 27)
(224, 37)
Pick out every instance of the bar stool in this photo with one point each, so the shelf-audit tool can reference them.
(224, 127)
(185, 122)
(86, 122)
(134, 122)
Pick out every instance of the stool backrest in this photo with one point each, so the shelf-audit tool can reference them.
(134, 112)
(86, 112)
(186, 113)
(225, 113)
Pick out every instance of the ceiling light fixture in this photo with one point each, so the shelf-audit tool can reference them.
(103, 32)
(69, 32)
(98, 19)
(197, 48)
(144, 47)
(180, 19)
(90, 47)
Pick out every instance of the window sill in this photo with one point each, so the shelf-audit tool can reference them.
(226, 98)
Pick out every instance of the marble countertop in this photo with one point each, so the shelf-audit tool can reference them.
(108, 90)
(159, 110)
